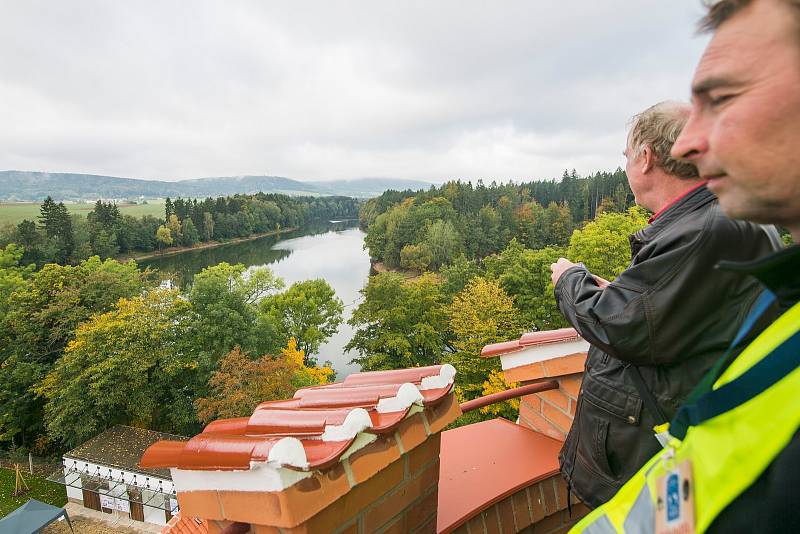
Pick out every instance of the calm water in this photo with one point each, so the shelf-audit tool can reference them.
(333, 251)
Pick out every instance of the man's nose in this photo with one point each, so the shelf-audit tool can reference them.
(692, 142)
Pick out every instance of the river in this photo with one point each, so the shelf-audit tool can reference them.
(333, 251)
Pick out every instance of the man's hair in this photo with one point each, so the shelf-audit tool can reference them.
(722, 10)
(658, 127)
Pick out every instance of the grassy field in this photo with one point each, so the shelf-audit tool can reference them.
(14, 212)
(41, 490)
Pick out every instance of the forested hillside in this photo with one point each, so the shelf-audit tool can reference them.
(482, 256)
(62, 238)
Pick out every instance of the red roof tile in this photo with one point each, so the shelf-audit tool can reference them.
(470, 480)
(320, 417)
(185, 525)
(530, 339)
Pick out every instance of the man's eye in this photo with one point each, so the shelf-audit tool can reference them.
(716, 100)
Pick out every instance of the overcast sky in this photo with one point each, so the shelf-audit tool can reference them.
(323, 90)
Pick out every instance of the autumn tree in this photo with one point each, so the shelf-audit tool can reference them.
(125, 366)
(481, 314)
(241, 383)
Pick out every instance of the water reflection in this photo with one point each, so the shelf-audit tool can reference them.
(331, 251)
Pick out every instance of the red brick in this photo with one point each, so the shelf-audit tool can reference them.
(540, 424)
(491, 521)
(204, 504)
(443, 414)
(352, 528)
(359, 498)
(522, 512)
(374, 457)
(396, 526)
(534, 401)
(561, 420)
(565, 365)
(549, 494)
(561, 492)
(400, 498)
(476, 525)
(537, 502)
(556, 398)
(571, 385)
(412, 432)
(523, 373)
(262, 529)
(427, 528)
(505, 510)
(423, 509)
(424, 454)
(549, 524)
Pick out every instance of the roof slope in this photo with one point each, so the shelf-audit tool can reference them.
(121, 447)
(313, 429)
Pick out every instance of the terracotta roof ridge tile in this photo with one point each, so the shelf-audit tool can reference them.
(530, 339)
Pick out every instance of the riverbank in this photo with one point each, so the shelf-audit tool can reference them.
(379, 267)
(173, 251)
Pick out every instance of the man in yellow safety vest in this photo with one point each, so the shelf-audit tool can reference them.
(733, 461)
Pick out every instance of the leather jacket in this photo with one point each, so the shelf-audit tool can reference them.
(671, 314)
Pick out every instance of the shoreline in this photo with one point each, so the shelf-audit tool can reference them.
(174, 251)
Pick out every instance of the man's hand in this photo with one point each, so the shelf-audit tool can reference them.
(602, 282)
(558, 269)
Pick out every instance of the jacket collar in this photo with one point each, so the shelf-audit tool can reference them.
(694, 199)
(779, 272)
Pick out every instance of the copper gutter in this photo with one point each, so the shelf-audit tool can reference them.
(501, 396)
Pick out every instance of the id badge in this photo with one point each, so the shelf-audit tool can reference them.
(675, 500)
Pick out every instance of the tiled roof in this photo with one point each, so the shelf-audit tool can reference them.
(530, 339)
(473, 478)
(185, 525)
(121, 447)
(314, 428)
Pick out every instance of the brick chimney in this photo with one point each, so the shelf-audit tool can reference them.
(557, 355)
(353, 457)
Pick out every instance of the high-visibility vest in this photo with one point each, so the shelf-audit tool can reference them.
(727, 452)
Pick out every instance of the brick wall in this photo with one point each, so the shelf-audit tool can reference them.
(389, 486)
(540, 508)
(550, 412)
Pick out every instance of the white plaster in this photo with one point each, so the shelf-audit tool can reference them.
(446, 375)
(356, 421)
(119, 479)
(361, 441)
(288, 451)
(407, 395)
(540, 353)
(262, 476)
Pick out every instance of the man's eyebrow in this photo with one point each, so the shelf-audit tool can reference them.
(707, 84)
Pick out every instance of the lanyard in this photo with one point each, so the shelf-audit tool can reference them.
(705, 403)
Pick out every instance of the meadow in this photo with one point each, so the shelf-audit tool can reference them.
(14, 212)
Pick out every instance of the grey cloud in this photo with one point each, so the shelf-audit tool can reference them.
(316, 90)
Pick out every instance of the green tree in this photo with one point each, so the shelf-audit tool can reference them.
(603, 244)
(163, 236)
(525, 275)
(225, 312)
(189, 233)
(443, 242)
(400, 323)
(481, 314)
(415, 257)
(308, 311)
(125, 366)
(42, 316)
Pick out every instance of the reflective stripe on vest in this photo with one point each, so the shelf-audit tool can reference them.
(728, 452)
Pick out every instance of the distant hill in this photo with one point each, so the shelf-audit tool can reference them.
(35, 186)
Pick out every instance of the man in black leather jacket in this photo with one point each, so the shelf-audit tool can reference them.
(658, 327)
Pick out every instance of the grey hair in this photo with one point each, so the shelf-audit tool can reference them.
(720, 11)
(658, 127)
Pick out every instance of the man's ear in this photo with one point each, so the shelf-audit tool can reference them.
(648, 159)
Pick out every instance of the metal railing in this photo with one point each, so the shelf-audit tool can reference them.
(513, 393)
